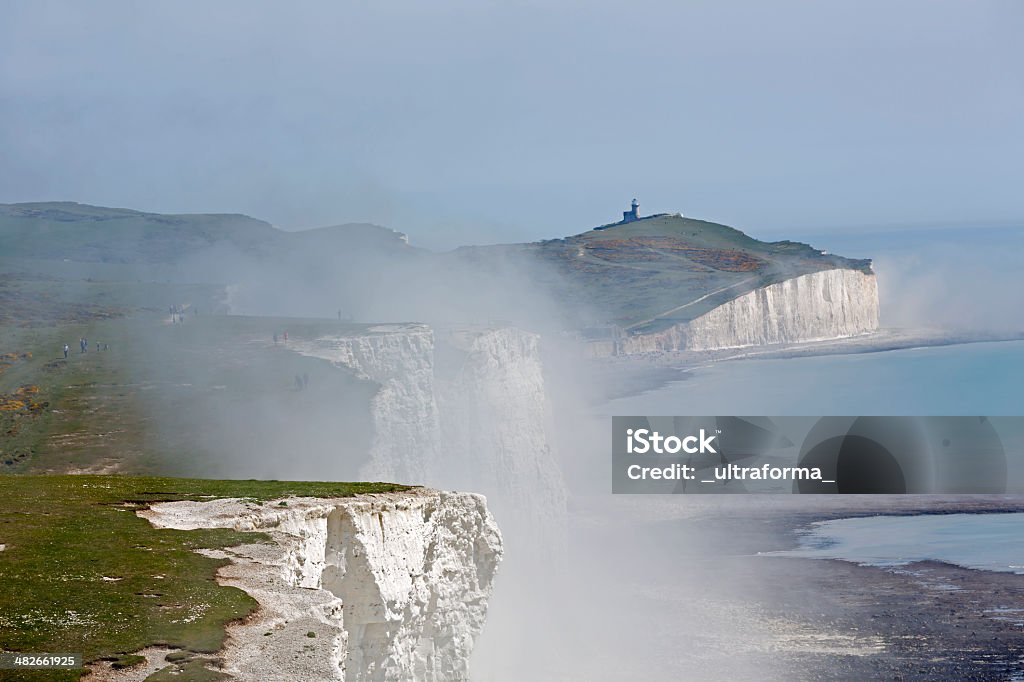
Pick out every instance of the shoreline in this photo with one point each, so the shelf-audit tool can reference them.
(632, 375)
(934, 620)
(759, 615)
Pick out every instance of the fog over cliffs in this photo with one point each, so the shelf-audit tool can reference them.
(429, 369)
(462, 408)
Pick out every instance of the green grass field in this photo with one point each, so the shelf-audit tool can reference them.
(211, 397)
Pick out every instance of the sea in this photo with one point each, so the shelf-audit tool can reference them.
(989, 542)
(965, 379)
(966, 277)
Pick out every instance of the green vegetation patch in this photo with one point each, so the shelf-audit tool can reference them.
(193, 671)
(83, 573)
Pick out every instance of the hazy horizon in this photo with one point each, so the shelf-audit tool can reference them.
(471, 123)
(852, 237)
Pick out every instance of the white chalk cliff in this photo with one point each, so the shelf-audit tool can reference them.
(467, 412)
(375, 588)
(496, 429)
(467, 409)
(406, 425)
(830, 304)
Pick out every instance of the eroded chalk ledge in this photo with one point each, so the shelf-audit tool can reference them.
(377, 587)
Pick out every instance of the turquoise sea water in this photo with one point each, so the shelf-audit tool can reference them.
(991, 542)
(965, 379)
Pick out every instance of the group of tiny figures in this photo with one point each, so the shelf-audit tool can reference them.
(83, 345)
(178, 313)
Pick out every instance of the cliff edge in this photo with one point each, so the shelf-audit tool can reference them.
(397, 583)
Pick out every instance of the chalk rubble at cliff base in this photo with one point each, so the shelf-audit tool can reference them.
(393, 587)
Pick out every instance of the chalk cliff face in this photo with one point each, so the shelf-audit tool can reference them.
(823, 305)
(465, 410)
(406, 424)
(392, 587)
(495, 428)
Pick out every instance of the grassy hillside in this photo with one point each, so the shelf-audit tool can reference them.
(654, 272)
(59, 230)
(213, 396)
(80, 233)
(68, 263)
(642, 276)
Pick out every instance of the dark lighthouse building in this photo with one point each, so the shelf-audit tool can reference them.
(633, 213)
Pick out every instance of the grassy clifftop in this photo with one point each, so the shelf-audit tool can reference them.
(82, 573)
